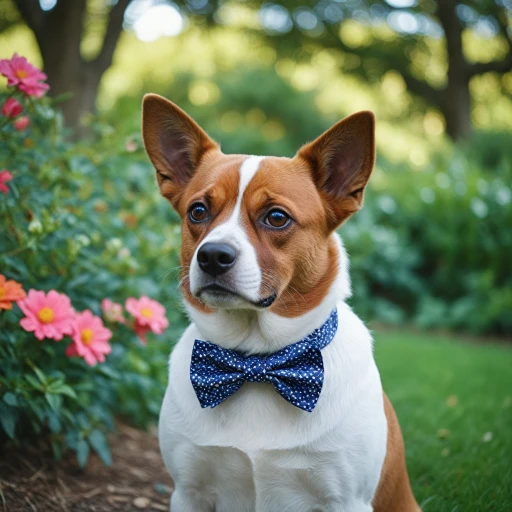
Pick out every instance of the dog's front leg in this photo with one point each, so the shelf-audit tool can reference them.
(208, 479)
(291, 481)
(220, 482)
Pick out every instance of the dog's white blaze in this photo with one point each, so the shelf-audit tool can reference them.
(247, 271)
(248, 169)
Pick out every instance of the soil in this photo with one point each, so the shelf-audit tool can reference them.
(136, 481)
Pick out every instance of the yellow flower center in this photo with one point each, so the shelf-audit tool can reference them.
(21, 73)
(87, 335)
(45, 315)
(2, 291)
(146, 312)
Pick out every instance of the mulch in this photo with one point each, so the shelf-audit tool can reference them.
(31, 481)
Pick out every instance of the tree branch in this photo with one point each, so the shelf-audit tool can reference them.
(422, 88)
(500, 66)
(400, 65)
(33, 15)
(114, 29)
(452, 27)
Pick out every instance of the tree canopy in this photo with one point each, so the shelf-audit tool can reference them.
(425, 41)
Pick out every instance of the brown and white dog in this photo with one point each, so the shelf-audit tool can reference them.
(262, 268)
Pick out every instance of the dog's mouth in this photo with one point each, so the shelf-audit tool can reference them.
(222, 294)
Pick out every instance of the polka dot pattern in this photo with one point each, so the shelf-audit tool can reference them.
(296, 371)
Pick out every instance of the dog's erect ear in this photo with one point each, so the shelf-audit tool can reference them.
(341, 161)
(174, 143)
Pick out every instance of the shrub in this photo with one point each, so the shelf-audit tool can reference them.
(82, 220)
(434, 246)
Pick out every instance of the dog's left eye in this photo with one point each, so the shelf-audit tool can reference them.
(198, 212)
(277, 219)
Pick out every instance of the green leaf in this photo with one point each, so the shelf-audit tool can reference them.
(82, 452)
(99, 443)
(108, 371)
(61, 389)
(8, 419)
(40, 375)
(54, 422)
(11, 399)
(33, 382)
(55, 401)
(36, 409)
(68, 391)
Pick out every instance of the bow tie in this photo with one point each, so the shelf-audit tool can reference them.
(296, 371)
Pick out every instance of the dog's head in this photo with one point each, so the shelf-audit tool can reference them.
(256, 230)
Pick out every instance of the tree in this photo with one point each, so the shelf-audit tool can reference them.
(319, 22)
(59, 33)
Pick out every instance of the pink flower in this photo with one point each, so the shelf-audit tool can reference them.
(21, 123)
(22, 74)
(149, 316)
(112, 311)
(5, 176)
(90, 338)
(12, 108)
(48, 315)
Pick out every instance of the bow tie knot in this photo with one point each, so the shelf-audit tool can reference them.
(255, 369)
(296, 371)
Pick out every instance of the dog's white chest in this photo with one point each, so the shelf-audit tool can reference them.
(255, 451)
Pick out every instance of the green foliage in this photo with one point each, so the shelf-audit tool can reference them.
(86, 221)
(434, 245)
(490, 151)
(254, 111)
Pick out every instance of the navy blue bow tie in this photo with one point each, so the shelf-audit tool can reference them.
(296, 371)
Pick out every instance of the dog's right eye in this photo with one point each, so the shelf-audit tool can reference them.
(198, 212)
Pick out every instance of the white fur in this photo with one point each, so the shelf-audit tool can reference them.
(246, 276)
(255, 452)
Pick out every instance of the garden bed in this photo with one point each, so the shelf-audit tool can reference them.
(137, 480)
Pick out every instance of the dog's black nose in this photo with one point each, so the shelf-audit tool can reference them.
(216, 258)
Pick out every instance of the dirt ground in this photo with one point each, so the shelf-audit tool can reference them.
(136, 481)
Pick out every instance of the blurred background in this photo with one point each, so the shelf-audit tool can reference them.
(432, 245)
(430, 252)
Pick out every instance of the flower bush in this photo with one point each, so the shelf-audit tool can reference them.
(82, 234)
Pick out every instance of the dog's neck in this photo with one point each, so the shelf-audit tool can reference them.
(262, 331)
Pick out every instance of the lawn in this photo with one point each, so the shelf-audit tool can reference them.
(454, 402)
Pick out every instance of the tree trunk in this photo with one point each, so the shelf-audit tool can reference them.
(456, 108)
(81, 81)
(59, 41)
(456, 98)
(59, 35)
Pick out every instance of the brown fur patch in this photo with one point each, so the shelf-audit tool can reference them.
(298, 262)
(394, 493)
(341, 162)
(214, 183)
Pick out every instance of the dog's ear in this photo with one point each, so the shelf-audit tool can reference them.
(341, 161)
(174, 143)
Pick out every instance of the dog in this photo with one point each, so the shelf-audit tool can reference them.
(274, 401)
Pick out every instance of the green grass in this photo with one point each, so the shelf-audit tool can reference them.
(447, 395)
